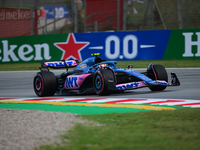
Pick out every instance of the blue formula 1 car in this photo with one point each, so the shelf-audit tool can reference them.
(95, 75)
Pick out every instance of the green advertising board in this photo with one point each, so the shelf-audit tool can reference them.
(183, 44)
(30, 48)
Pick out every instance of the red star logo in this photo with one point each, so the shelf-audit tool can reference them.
(43, 13)
(71, 48)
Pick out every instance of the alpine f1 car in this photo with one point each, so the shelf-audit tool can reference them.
(98, 76)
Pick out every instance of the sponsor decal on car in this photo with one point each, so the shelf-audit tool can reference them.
(83, 65)
(61, 63)
(75, 81)
(110, 80)
(161, 82)
(125, 86)
(71, 82)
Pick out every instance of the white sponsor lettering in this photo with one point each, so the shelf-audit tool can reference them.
(134, 40)
(128, 52)
(189, 43)
(38, 51)
(116, 41)
(25, 52)
(14, 14)
(8, 52)
(59, 12)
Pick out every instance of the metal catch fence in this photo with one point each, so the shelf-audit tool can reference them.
(101, 15)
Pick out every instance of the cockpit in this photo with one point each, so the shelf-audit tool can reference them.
(95, 62)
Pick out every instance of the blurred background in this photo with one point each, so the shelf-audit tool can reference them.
(36, 17)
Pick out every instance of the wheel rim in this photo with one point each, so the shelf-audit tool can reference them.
(38, 84)
(98, 82)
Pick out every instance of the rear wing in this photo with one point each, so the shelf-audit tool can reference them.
(58, 64)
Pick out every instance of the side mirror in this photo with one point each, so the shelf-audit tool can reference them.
(130, 66)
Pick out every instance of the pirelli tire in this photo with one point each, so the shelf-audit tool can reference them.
(45, 83)
(104, 82)
(160, 73)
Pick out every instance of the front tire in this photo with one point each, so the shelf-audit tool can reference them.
(157, 72)
(45, 84)
(104, 82)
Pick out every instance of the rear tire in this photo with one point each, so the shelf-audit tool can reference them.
(45, 83)
(101, 81)
(159, 73)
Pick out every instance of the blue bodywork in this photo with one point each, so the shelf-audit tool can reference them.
(95, 75)
(89, 66)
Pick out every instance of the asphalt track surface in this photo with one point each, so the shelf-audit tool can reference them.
(19, 84)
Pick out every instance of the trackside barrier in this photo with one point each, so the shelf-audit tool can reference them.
(130, 45)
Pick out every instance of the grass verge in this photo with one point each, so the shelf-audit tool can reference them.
(152, 130)
(120, 64)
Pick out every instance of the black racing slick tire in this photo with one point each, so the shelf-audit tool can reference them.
(104, 82)
(45, 83)
(159, 73)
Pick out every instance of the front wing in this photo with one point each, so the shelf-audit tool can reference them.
(140, 84)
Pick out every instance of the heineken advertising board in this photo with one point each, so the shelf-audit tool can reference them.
(129, 45)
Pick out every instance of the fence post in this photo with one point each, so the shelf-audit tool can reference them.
(32, 21)
(152, 15)
(187, 17)
(54, 19)
(160, 14)
(84, 15)
(145, 13)
(118, 15)
(45, 26)
(180, 22)
(75, 18)
(96, 26)
(124, 15)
